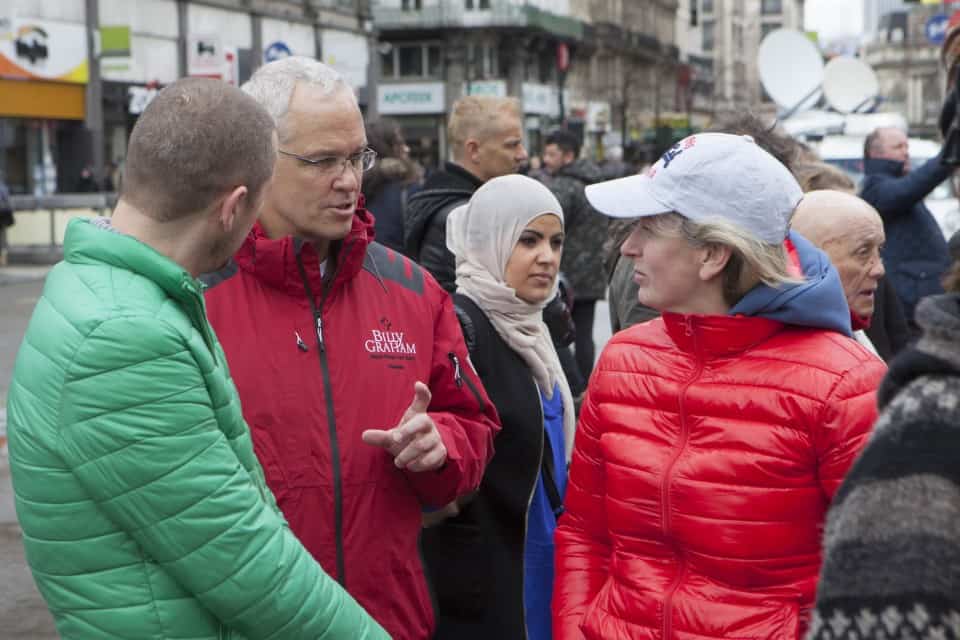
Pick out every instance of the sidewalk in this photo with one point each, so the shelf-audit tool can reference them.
(16, 274)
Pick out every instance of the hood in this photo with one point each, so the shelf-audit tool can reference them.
(818, 302)
(274, 261)
(444, 188)
(584, 170)
(883, 167)
(937, 352)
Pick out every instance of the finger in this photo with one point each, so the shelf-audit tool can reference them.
(379, 438)
(421, 400)
(432, 459)
(415, 449)
(416, 426)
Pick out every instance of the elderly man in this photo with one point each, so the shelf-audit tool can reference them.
(486, 141)
(144, 510)
(348, 358)
(916, 251)
(850, 232)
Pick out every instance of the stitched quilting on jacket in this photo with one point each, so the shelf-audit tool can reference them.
(145, 513)
(316, 370)
(707, 453)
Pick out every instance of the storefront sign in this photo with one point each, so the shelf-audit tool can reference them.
(495, 88)
(43, 50)
(540, 99)
(115, 47)
(419, 97)
(205, 56)
(276, 51)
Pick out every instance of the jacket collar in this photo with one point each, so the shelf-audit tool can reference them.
(274, 261)
(883, 167)
(715, 336)
(88, 241)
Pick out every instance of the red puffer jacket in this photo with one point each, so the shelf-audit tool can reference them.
(313, 374)
(707, 453)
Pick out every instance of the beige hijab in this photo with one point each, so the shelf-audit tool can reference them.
(482, 235)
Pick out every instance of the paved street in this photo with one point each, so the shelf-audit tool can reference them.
(23, 615)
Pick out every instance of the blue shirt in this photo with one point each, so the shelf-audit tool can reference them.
(541, 524)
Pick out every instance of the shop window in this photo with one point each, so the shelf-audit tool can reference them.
(410, 60)
(434, 61)
(415, 5)
(386, 63)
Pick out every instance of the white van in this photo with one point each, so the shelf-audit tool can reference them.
(846, 152)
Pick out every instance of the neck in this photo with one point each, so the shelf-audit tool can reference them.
(276, 227)
(708, 301)
(178, 240)
(469, 168)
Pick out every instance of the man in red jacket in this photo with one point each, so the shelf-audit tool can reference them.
(348, 357)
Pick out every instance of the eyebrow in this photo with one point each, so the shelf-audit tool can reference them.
(327, 153)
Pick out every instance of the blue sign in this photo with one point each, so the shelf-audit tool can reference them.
(277, 50)
(936, 28)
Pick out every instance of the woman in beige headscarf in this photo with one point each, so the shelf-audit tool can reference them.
(492, 564)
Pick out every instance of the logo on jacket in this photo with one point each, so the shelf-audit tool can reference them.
(387, 342)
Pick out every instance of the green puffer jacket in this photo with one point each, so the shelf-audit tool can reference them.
(144, 511)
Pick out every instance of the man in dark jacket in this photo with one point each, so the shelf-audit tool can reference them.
(916, 253)
(486, 141)
(348, 358)
(585, 231)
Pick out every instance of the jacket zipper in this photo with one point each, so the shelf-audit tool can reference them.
(526, 514)
(459, 379)
(331, 419)
(665, 489)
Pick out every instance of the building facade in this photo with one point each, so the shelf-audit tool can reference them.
(75, 74)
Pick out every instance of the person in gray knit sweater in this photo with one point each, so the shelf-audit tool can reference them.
(891, 566)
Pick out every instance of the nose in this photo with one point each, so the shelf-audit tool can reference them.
(878, 270)
(521, 153)
(348, 179)
(632, 246)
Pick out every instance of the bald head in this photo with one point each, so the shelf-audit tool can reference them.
(888, 143)
(850, 232)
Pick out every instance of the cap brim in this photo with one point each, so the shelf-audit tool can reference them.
(629, 197)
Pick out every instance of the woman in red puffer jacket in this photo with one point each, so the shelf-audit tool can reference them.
(712, 440)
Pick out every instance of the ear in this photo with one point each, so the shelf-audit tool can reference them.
(714, 259)
(231, 207)
(472, 147)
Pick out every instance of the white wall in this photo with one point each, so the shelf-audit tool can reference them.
(64, 10)
(153, 39)
(232, 27)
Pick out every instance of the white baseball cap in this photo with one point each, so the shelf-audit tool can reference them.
(708, 176)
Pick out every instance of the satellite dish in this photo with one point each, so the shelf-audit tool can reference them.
(791, 69)
(849, 84)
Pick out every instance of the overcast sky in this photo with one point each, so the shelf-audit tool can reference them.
(831, 18)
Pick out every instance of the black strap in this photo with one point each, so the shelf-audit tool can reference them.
(549, 479)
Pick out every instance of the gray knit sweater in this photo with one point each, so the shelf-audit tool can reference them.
(891, 565)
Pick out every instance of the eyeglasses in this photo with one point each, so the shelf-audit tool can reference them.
(358, 162)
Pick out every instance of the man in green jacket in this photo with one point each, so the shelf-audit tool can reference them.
(145, 513)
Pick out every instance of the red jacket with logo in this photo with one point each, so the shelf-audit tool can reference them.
(314, 370)
(707, 453)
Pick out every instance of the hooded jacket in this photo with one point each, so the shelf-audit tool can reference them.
(891, 545)
(425, 220)
(585, 229)
(915, 254)
(319, 359)
(707, 453)
(145, 513)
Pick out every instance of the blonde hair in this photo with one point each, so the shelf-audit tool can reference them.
(818, 176)
(752, 260)
(478, 117)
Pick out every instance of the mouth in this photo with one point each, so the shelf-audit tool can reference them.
(545, 278)
(344, 209)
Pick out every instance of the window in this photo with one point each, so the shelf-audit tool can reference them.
(708, 35)
(411, 60)
(707, 6)
(407, 5)
(769, 7)
(768, 27)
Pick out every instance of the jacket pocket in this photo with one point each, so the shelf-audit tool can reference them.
(458, 568)
(266, 451)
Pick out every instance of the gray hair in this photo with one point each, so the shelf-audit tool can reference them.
(272, 85)
(751, 261)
